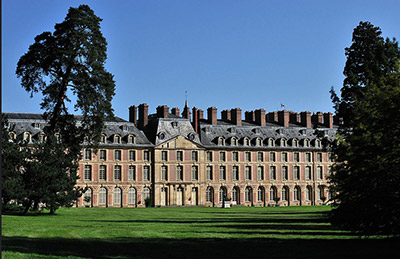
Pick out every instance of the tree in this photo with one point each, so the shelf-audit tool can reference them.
(366, 178)
(68, 61)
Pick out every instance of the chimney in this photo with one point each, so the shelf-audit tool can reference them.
(186, 112)
(226, 115)
(212, 115)
(200, 114)
(294, 117)
(306, 119)
(175, 111)
(260, 117)
(283, 118)
(195, 118)
(236, 116)
(162, 111)
(133, 114)
(328, 120)
(272, 117)
(317, 118)
(143, 115)
(249, 116)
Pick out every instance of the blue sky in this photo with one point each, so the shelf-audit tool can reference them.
(234, 53)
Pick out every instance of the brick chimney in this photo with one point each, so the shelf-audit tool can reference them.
(306, 119)
(200, 114)
(236, 116)
(212, 115)
(283, 118)
(195, 118)
(294, 117)
(133, 114)
(175, 111)
(143, 115)
(260, 117)
(249, 116)
(317, 118)
(226, 115)
(328, 120)
(272, 117)
(163, 111)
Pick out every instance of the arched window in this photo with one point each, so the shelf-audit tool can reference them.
(297, 192)
(222, 194)
(117, 196)
(258, 142)
(132, 196)
(236, 194)
(285, 193)
(102, 196)
(221, 141)
(209, 194)
(306, 143)
(103, 139)
(283, 142)
(27, 137)
(117, 139)
(272, 193)
(234, 141)
(260, 193)
(271, 142)
(87, 197)
(320, 192)
(146, 193)
(248, 194)
(308, 193)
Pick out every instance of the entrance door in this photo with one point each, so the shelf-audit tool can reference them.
(164, 196)
(194, 196)
(179, 196)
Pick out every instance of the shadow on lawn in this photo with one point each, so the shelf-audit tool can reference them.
(202, 248)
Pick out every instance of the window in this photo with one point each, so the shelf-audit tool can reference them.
(179, 173)
(164, 156)
(308, 172)
(308, 157)
(222, 156)
(87, 195)
(103, 139)
(308, 193)
(27, 137)
(131, 139)
(285, 174)
(319, 157)
(132, 155)
(272, 193)
(306, 143)
(88, 172)
(117, 139)
(222, 194)
(222, 173)
(260, 194)
(234, 142)
(146, 193)
(284, 156)
(247, 194)
(179, 155)
(320, 193)
(146, 173)
(103, 155)
(272, 156)
(195, 173)
(271, 142)
(221, 141)
(132, 173)
(209, 156)
(272, 173)
(235, 194)
(297, 193)
(88, 154)
(102, 196)
(247, 156)
(117, 155)
(103, 172)
(258, 142)
(295, 143)
(209, 193)
(164, 173)
(209, 173)
(117, 196)
(296, 157)
(285, 194)
(235, 156)
(320, 173)
(117, 173)
(235, 173)
(246, 142)
(195, 156)
(260, 173)
(132, 196)
(296, 173)
(247, 172)
(146, 155)
(260, 157)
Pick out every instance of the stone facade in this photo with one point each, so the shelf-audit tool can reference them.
(173, 161)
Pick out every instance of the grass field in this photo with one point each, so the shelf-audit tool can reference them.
(283, 232)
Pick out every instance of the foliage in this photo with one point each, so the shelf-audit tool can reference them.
(148, 202)
(68, 61)
(366, 179)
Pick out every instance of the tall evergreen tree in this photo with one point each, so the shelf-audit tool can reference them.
(68, 61)
(366, 177)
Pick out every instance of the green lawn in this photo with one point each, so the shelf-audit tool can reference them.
(292, 232)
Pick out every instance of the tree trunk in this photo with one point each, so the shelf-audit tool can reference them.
(27, 206)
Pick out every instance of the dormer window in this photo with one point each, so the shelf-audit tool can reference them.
(306, 143)
(27, 137)
(117, 139)
(124, 127)
(246, 142)
(283, 142)
(12, 136)
(221, 141)
(258, 142)
(42, 137)
(103, 139)
(232, 130)
(295, 143)
(256, 130)
(174, 124)
(36, 125)
(131, 139)
(317, 143)
(234, 141)
(271, 142)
